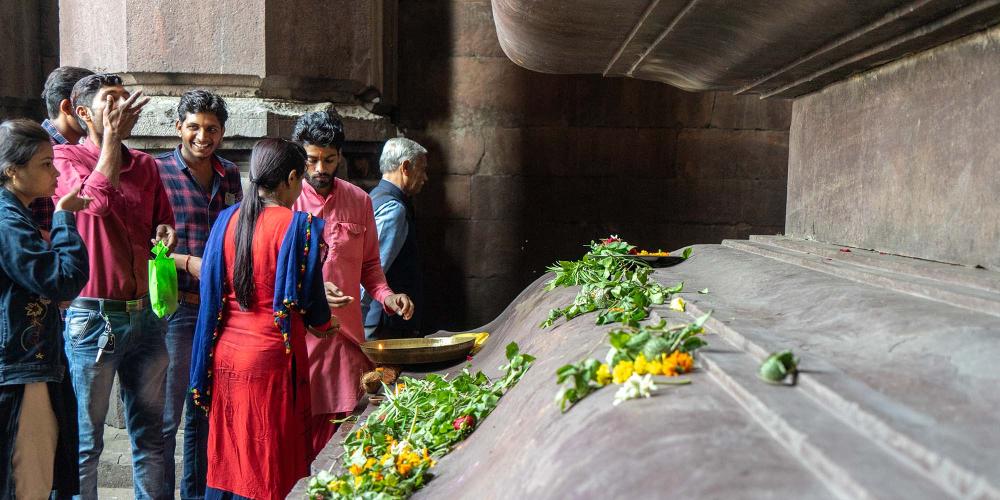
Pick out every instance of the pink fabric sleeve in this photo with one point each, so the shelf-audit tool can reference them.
(95, 185)
(372, 277)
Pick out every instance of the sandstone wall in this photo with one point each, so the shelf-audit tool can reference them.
(525, 166)
(29, 49)
(903, 159)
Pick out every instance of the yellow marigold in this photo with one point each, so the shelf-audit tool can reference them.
(334, 485)
(370, 462)
(621, 372)
(641, 366)
(603, 375)
(357, 481)
(403, 468)
(655, 367)
(399, 388)
(356, 470)
(616, 309)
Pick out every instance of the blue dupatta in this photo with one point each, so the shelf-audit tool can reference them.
(298, 288)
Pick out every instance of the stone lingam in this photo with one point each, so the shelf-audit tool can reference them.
(884, 284)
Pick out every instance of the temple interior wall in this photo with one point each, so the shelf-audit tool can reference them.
(903, 159)
(527, 167)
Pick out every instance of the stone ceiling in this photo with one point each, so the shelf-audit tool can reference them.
(774, 48)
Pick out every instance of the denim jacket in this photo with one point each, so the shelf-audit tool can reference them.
(34, 277)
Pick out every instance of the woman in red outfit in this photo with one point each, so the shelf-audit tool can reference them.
(261, 291)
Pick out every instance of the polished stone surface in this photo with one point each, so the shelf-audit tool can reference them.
(766, 47)
(903, 159)
(896, 400)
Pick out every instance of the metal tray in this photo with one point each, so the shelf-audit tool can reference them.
(418, 351)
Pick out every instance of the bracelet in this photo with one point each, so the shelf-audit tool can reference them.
(187, 260)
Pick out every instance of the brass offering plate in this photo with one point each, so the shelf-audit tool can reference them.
(418, 351)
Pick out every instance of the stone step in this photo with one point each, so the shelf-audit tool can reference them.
(973, 289)
(847, 461)
(913, 377)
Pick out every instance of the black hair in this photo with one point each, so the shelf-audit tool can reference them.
(88, 87)
(59, 86)
(19, 141)
(202, 101)
(319, 128)
(271, 161)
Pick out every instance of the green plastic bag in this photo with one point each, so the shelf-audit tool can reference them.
(162, 281)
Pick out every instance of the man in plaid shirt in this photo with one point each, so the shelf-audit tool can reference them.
(200, 184)
(62, 126)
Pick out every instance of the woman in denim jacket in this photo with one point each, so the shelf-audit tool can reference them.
(38, 452)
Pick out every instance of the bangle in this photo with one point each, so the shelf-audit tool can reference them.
(187, 260)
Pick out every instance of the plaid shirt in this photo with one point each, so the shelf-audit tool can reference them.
(42, 208)
(195, 210)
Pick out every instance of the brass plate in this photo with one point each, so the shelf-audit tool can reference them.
(417, 351)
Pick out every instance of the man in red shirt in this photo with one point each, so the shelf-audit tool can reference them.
(111, 328)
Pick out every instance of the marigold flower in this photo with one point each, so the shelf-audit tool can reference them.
(655, 367)
(356, 470)
(641, 366)
(684, 361)
(621, 372)
(603, 375)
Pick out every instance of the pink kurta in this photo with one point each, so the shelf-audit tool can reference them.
(336, 365)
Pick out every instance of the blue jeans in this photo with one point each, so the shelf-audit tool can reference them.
(140, 360)
(180, 334)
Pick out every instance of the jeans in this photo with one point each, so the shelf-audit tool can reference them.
(180, 334)
(139, 358)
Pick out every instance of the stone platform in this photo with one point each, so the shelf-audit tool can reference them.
(897, 398)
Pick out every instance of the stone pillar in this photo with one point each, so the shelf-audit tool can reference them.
(273, 60)
(27, 54)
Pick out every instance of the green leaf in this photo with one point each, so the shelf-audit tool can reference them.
(512, 350)
(703, 291)
(655, 347)
(687, 253)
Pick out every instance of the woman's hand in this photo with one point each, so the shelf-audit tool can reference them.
(72, 201)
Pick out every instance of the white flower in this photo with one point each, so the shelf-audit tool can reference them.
(678, 304)
(399, 447)
(637, 386)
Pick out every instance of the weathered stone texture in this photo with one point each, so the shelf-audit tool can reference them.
(28, 51)
(552, 162)
(191, 37)
(903, 159)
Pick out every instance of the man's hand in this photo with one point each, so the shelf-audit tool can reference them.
(401, 303)
(73, 202)
(119, 119)
(167, 235)
(335, 297)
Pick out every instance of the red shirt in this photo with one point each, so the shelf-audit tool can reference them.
(336, 365)
(119, 222)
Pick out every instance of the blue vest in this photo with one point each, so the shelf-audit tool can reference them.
(404, 275)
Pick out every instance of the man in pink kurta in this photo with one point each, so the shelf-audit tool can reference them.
(336, 364)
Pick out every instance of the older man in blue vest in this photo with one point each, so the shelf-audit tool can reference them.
(404, 172)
